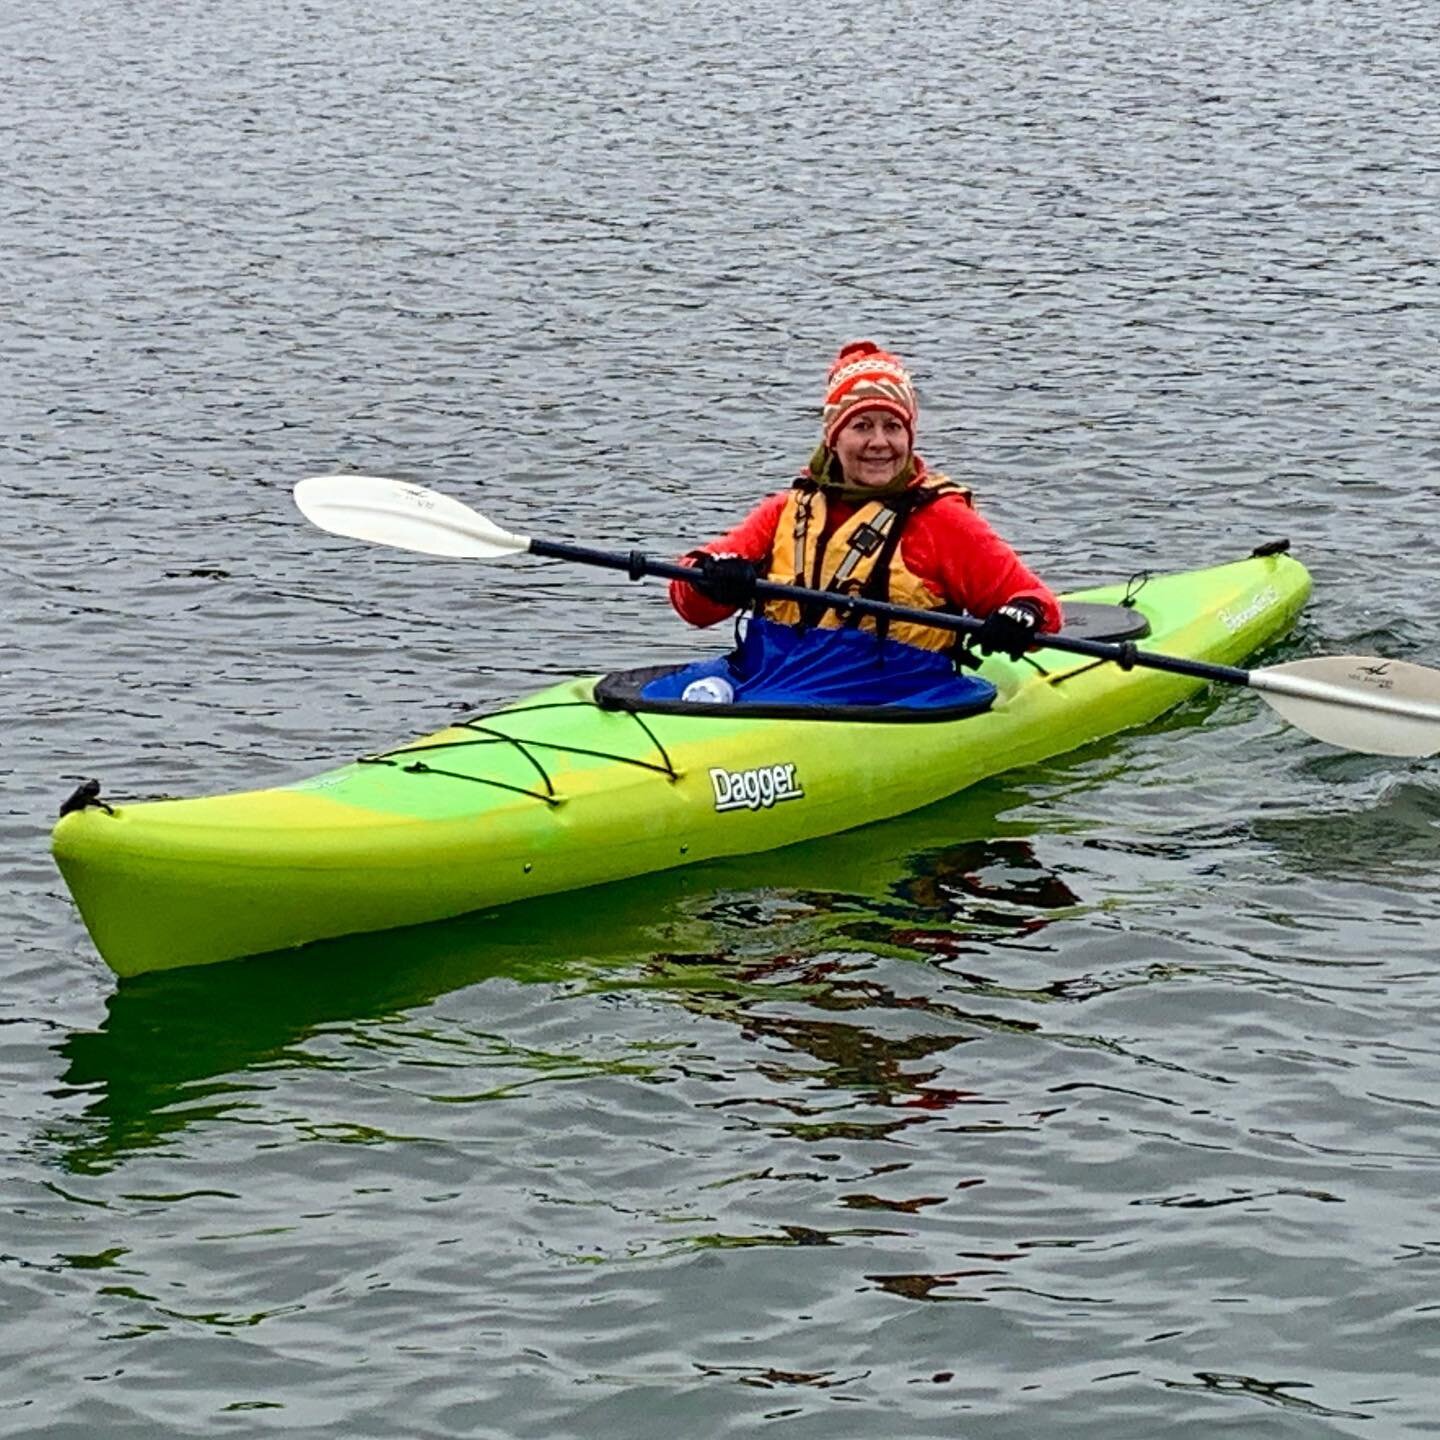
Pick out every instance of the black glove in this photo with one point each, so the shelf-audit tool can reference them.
(1009, 628)
(725, 579)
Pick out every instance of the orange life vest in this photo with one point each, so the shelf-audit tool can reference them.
(862, 557)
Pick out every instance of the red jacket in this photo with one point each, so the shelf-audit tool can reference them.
(946, 544)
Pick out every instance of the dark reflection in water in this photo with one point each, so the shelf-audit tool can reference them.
(768, 1378)
(1279, 1393)
(957, 883)
(933, 1287)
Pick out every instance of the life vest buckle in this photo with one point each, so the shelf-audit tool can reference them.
(867, 539)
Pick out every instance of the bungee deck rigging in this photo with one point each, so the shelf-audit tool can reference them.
(524, 746)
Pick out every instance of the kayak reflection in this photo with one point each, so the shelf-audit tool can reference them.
(191, 1044)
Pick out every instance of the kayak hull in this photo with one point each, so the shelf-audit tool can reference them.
(555, 793)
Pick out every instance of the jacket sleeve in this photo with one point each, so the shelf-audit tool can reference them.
(975, 568)
(751, 539)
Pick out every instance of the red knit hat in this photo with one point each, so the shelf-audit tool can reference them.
(865, 377)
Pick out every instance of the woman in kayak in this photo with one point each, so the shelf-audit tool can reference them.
(868, 517)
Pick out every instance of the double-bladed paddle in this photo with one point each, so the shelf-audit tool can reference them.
(1357, 702)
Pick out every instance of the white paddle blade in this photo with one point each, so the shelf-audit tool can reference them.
(403, 514)
(1358, 702)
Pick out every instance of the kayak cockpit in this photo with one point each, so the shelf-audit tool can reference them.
(781, 672)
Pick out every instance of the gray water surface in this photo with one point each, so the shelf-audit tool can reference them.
(1101, 1101)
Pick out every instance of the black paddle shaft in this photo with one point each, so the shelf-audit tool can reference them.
(637, 565)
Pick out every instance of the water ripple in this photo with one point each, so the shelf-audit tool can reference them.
(1100, 1098)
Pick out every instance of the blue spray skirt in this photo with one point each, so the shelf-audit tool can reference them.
(781, 667)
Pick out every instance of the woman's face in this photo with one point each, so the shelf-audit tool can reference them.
(872, 448)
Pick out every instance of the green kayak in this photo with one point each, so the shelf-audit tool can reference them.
(562, 789)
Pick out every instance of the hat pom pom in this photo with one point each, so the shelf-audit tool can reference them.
(854, 349)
